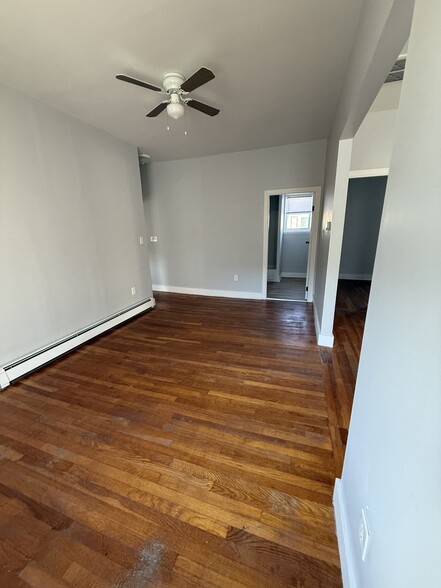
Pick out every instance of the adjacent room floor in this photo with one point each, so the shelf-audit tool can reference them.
(196, 445)
(287, 289)
(341, 363)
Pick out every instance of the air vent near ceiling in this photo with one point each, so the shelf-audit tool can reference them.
(397, 72)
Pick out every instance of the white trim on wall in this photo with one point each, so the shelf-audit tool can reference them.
(293, 275)
(317, 196)
(344, 546)
(369, 173)
(367, 277)
(20, 367)
(322, 340)
(207, 292)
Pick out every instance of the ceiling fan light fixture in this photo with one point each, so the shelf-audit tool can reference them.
(177, 87)
(175, 110)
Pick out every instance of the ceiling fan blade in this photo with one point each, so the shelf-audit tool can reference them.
(158, 109)
(124, 78)
(205, 108)
(202, 76)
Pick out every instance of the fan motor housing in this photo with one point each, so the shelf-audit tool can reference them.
(172, 81)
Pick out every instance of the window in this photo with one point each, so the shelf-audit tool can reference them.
(298, 212)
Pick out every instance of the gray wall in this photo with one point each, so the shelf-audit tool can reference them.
(70, 220)
(208, 213)
(393, 455)
(362, 224)
(295, 252)
(273, 232)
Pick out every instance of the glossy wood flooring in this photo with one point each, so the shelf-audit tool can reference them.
(191, 447)
(341, 364)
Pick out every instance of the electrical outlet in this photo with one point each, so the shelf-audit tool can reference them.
(153, 238)
(236, 277)
(133, 290)
(141, 240)
(364, 535)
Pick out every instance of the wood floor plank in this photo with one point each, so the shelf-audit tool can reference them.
(195, 445)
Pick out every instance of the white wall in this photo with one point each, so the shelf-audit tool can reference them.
(70, 221)
(208, 213)
(362, 224)
(372, 146)
(381, 33)
(393, 456)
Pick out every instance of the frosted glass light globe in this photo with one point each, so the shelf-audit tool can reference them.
(175, 110)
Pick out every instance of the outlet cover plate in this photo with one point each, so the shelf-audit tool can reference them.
(364, 535)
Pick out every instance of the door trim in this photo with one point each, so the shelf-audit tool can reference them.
(316, 192)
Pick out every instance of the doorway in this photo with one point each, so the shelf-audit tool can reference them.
(290, 230)
(364, 208)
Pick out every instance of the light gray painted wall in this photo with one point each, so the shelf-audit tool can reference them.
(70, 220)
(393, 456)
(362, 225)
(381, 34)
(372, 147)
(208, 213)
(295, 252)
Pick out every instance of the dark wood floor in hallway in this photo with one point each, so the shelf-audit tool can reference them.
(340, 365)
(192, 446)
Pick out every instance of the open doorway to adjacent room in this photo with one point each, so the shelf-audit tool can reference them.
(290, 244)
(371, 153)
(364, 209)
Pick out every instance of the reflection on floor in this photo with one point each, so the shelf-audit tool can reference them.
(340, 364)
(287, 289)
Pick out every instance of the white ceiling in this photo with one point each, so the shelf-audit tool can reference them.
(279, 66)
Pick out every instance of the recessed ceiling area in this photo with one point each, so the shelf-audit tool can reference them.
(279, 66)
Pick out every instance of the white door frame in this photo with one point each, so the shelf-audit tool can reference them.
(316, 192)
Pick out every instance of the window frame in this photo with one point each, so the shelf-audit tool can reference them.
(297, 230)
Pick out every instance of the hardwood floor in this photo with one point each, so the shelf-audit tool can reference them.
(194, 446)
(340, 366)
(287, 289)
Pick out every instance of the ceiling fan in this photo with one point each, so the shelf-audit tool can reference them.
(177, 88)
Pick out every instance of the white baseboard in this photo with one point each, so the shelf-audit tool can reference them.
(344, 545)
(20, 367)
(322, 340)
(293, 275)
(4, 380)
(367, 277)
(207, 292)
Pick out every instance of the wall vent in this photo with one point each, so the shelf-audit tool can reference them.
(397, 72)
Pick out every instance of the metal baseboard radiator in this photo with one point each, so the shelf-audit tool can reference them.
(11, 372)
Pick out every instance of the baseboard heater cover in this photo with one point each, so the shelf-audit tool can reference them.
(31, 362)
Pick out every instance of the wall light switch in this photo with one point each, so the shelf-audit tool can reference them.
(154, 239)
(236, 277)
(141, 240)
(133, 290)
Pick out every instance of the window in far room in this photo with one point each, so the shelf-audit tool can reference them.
(298, 211)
